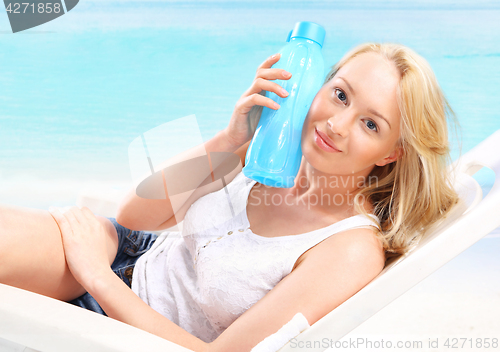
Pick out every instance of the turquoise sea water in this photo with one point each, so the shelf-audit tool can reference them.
(76, 91)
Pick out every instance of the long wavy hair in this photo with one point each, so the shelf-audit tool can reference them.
(414, 192)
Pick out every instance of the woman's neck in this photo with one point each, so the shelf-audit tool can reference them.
(324, 191)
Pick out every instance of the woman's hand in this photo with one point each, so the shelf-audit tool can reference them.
(248, 108)
(84, 241)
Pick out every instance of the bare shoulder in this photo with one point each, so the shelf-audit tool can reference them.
(357, 243)
(358, 247)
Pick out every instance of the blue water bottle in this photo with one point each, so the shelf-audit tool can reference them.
(274, 154)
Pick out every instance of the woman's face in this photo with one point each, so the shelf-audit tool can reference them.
(357, 111)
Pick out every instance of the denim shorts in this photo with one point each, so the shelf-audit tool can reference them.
(131, 244)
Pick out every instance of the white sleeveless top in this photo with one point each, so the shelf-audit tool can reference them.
(206, 276)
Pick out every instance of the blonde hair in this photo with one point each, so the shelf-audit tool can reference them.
(414, 192)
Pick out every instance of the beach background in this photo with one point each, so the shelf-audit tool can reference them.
(75, 92)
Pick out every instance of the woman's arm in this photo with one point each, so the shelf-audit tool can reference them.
(84, 242)
(138, 213)
(331, 272)
(121, 303)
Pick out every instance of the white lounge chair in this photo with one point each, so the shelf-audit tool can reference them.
(44, 324)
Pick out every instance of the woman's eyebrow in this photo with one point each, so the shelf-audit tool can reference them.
(379, 115)
(348, 86)
(374, 112)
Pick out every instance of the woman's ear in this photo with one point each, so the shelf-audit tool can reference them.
(395, 155)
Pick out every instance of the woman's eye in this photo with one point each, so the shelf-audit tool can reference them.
(341, 95)
(371, 125)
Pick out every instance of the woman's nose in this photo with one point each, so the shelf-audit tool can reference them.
(339, 125)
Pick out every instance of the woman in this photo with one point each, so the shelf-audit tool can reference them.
(380, 118)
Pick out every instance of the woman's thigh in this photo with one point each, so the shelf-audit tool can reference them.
(32, 255)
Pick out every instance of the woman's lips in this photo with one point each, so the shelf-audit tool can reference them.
(324, 142)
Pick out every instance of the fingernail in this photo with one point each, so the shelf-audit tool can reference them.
(276, 105)
(284, 92)
(274, 56)
(286, 74)
(51, 209)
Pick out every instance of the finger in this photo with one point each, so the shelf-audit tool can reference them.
(70, 217)
(261, 84)
(258, 99)
(273, 73)
(61, 220)
(265, 70)
(57, 214)
(270, 61)
(89, 215)
(76, 214)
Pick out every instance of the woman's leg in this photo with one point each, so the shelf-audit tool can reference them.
(32, 255)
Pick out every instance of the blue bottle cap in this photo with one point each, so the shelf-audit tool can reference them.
(309, 30)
